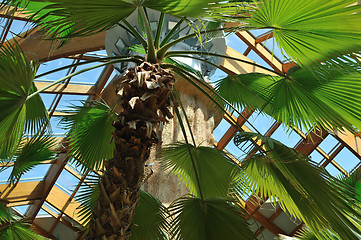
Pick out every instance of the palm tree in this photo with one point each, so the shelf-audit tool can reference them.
(323, 37)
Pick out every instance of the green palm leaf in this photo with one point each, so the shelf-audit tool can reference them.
(88, 197)
(289, 178)
(31, 153)
(186, 8)
(353, 186)
(67, 18)
(212, 174)
(90, 134)
(353, 183)
(35, 117)
(17, 112)
(310, 30)
(214, 218)
(12, 227)
(19, 231)
(150, 219)
(5, 214)
(329, 99)
(306, 234)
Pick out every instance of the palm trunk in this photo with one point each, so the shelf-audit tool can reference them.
(144, 100)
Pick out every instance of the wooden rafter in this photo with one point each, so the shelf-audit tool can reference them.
(23, 192)
(263, 52)
(37, 48)
(72, 89)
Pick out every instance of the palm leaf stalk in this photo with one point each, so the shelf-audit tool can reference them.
(145, 97)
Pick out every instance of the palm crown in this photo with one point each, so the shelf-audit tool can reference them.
(323, 37)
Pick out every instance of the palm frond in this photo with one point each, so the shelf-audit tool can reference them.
(246, 90)
(183, 66)
(214, 218)
(66, 18)
(150, 219)
(137, 48)
(308, 31)
(12, 227)
(353, 184)
(306, 234)
(88, 197)
(229, 11)
(36, 113)
(288, 177)
(90, 134)
(185, 8)
(19, 231)
(302, 98)
(5, 214)
(213, 169)
(16, 81)
(32, 152)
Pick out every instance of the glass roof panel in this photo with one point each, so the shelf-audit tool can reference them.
(18, 27)
(347, 159)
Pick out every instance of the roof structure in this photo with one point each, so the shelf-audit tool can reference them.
(47, 193)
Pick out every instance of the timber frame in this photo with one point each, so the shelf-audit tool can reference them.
(36, 193)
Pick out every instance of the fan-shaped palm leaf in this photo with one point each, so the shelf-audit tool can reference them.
(66, 18)
(213, 172)
(16, 109)
(150, 219)
(306, 234)
(30, 153)
(90, 134)
(310, 30)
(289, 178)
(214, 218)
(88, 196)
(12, 227)
(353, 183)
(36, 117)
(19, 231)
(329, 99)
(5, 213)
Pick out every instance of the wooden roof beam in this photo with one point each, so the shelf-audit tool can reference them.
(22, 192)
(37, 48)
(10, 12)
(263, 52)
(49, 181)
(264, 37)
(58, 199)
(73, 89)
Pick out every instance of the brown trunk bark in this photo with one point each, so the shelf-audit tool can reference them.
(144, 99)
